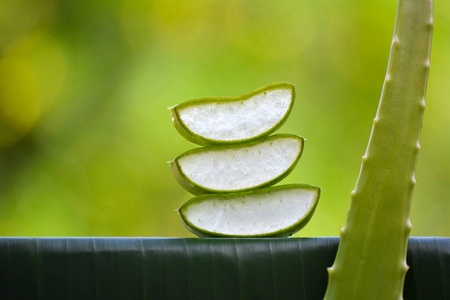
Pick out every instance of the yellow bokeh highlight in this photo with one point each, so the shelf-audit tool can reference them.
(32, 74)
(169, 25)
(84, 86)
(20, 105)
(178, 24)
(273, 32)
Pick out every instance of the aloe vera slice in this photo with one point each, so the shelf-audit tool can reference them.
(270, 212)
(237, 167)
(218, 120)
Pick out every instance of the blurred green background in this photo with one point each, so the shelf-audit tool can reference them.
(84, 87)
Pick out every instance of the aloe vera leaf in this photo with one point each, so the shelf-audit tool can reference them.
(237, 167)
(221, 120)
(371, 260)
(277, 211)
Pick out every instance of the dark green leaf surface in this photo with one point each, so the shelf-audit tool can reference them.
(169, 268)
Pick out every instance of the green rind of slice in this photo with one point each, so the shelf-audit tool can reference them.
(269, 212)
(237, 167)
(224, 120)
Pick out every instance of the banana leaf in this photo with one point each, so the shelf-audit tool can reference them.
(176, 268)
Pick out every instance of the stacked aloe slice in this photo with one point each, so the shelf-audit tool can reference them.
(233, 172)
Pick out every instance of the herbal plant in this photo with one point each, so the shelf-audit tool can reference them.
(241, 167)
(371, 260)
(225, 120)
(277, 211)
(235, 173)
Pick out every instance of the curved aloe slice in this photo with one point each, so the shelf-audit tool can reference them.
(218, 120)
(238, 167)
(271, 212)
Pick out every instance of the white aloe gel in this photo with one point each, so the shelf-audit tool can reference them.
(271, 211)
(230, 119)
(232, 175)
(243, 166)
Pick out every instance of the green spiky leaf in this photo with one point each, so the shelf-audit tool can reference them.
(371, 261)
